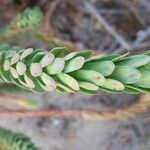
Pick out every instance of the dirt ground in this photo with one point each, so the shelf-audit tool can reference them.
(105, 26)
(74, 133)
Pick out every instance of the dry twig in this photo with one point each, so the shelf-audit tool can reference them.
(106, 25)
(103, 114)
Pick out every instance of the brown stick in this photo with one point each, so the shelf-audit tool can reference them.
(39, 113)
(104, 114)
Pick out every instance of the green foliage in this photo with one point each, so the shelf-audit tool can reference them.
(28, 19)
(38, 70)
(15, 141)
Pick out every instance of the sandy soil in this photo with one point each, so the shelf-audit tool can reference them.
(74, 133)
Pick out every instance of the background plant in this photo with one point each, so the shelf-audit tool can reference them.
(29, 19)
(14, 141)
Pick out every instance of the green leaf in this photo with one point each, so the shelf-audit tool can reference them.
(74, 64)
(22, 81)
(9, 54)
(105, 67)
(56, 67)
(109, 90)
(135, 61)
(35, 69)
(88, 92)
(146, 67)
(14, 59)
(48, 81)
(88, 86)
(61, 90)
(26, 52)
(16, 81)
(139, 89)
(31, 57)
(63, 87)
(99, 58)
(72, 55)
(29, 81)
(47, 60)
(21, 68)
(130, 90)
(42, 85)
(58, 51)
(89, 76)
(14, 72)
(126, 74)
(38, 88)
(5, 75)
(113, 85)
(147, 53)
(119, 58)
(144, 81)
(69, 81)
(38, 57)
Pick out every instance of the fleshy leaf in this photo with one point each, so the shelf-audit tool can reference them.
(88, 92)
(56, 67)
(105, 67)
(84, 54)
(120, 57)
(126, 74)
(88, 86)
(102, 58)
(113, 85)
(135, 61)
(130, 90)
(89, 76)
(68, 80)
(144, 81)
(58, 51)
(147, 53)
(74, 64)
(146, 67)
(48, 81)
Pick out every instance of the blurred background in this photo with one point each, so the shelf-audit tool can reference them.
(105, 26)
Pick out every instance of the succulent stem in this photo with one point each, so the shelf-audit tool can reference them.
(38, 70)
